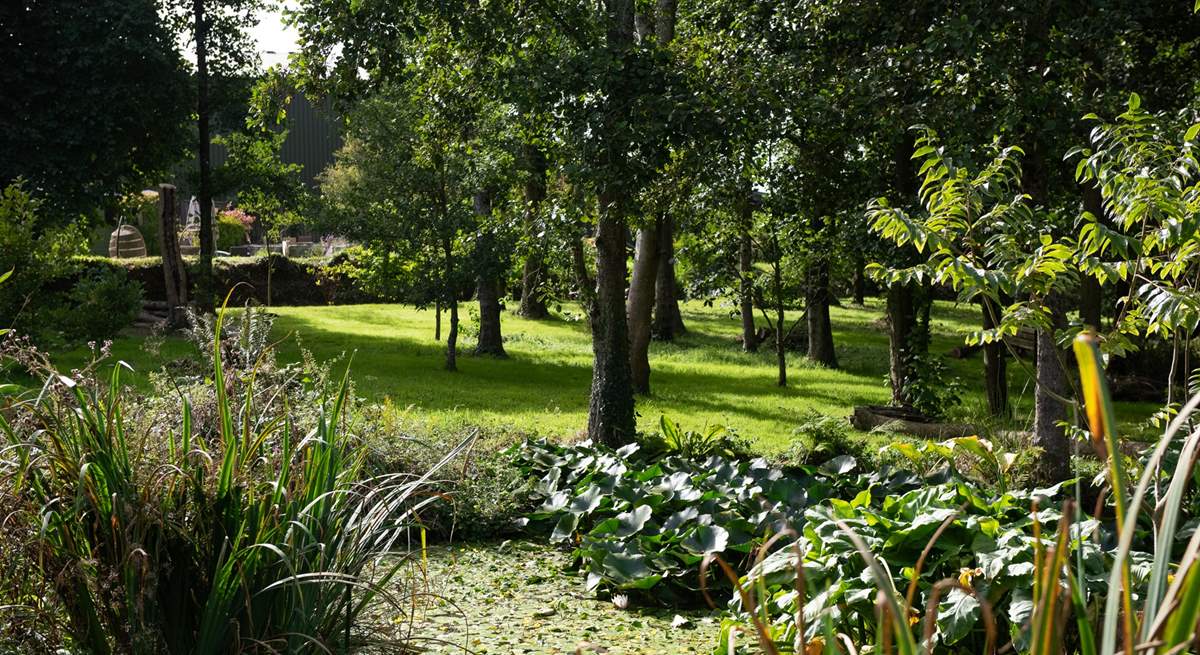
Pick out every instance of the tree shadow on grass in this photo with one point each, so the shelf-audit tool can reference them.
(408, 371)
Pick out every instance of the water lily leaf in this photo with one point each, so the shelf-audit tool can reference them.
(642, 583)
(625, 568)
(631, 522)
(678, 519)
(549, 482)
(587, 501)
(555, 503)
(625, 451)
(707, 539)
(565, 527)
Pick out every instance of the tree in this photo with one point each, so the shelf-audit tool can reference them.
(217, 30)
(982, 236)
(95, 101)
(416, 179)
(1143, 234)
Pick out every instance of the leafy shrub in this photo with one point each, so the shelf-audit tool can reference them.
(822, 438)
(1024, 572)
(381, 274)
(931, 389)
(257, 537)
(671, 439)
(244, 337)
(37, 254)
(646, 525)
(231, 230)
(987, 542)
(483, 498)
(102, 302)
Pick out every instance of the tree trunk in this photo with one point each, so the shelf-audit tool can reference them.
(491, 338)
(448, 287)
(664, 15)
(611, 418)
(437, 320)
(668, 320)
(204, 281)
(860, 284)
(995, 367)
(780, 337)
(174, 272)
(452, 337)
(1048, 411)
(820, 330)
(640, 304)
(533, 303)
(746, 292)
(1091, 302)
(583, 278)
(1091, 294)
(901, 314)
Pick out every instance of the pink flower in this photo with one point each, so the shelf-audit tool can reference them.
(241, 216)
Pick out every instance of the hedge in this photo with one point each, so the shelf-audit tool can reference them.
(292, 281)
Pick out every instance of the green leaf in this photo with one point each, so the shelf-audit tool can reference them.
(922, 151)
(839, 465)
(587, 501)
(624, 568)
(632, 522)
(565, 527)
(707, 539)
(1135, 102)
(1190, 135)
(958, 613)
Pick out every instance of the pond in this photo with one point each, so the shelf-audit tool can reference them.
(519, 597)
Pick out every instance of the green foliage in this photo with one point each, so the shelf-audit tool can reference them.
(102, 303)
(980, 234)
(380, 272)
(970, 456)
(4, 276)
(266, 187)
(245, 537)
(230, 231)
(34, 255)
(1147, 168)
(1115, 597)
(821, 438)
(988, 543)
(646, 525)
(481, 500)
(931, 388)
(671, 439)
(95, 101)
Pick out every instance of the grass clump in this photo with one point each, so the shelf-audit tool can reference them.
(248, 531)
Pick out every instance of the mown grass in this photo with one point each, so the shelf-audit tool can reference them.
(542, 388)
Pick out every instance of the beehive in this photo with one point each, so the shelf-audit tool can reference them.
(126, 241)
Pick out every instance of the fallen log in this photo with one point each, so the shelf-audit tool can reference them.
(907, 421)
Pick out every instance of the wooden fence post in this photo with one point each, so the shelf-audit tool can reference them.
(174, 272)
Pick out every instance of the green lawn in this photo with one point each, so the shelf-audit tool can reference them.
(543, 386)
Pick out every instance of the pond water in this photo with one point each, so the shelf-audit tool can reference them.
(516, 597)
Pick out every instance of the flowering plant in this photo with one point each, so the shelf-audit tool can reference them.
(240, 216)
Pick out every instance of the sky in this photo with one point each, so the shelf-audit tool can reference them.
(274, 39)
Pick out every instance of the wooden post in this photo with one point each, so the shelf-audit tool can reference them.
(174, 272)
